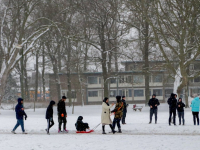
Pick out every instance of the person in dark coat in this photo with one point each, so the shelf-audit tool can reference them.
(49, 115)
(80, 125)
(124, 110)
(172, 102)
(62, 114)
(153, 104)
(180, 109)
(118, 111)
(20, 113)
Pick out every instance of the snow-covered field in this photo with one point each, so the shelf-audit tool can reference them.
(137, 133)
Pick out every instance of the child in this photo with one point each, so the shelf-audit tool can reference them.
(80, 126)
(49, 115)
(20, 113)
(180, 110)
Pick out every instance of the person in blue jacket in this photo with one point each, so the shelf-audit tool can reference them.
(49, 116)
(20, 113)
(195, 105)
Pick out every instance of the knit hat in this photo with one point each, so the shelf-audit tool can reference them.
(64, 97)
(118, 98)
(154, 95)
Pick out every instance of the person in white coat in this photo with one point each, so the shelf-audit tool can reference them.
(105, 115)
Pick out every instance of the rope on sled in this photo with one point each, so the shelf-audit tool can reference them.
(96, 126)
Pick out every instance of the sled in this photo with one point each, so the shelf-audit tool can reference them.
(85, 131)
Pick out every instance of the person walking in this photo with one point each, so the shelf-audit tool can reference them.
(195, 105)
(20, 113)
(118, 111)
(153, 104)
(124, 110)
(49, 116)
(180, 109)
(62, 114)
(172, 101)
(105, 115)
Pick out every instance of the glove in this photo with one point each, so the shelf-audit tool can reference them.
(25, 117)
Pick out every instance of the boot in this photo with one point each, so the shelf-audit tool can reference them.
(149, 122)
(119, 131)
(113, 131)
(103, 129)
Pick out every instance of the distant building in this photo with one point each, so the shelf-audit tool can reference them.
(129, 83)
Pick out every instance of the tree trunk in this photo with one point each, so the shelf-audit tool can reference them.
(146, 62)
(69, 73)
(36, 78)
(43, 73)
(22, 74)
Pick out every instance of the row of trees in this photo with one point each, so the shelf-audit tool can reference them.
(68, 34)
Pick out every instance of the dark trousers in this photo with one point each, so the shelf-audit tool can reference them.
(83, 127)
(50, 123)
(172, 111)
(181, 115)
(195, 116)
(116, 121)
(60, 121)
(123, 118)
(20, 122)
(111, 127)
(153, 111)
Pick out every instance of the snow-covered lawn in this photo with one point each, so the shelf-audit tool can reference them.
(137, 133)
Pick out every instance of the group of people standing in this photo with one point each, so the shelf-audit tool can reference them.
(119, 112)
(175, 106)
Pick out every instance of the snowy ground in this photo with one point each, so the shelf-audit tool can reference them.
(137, 133)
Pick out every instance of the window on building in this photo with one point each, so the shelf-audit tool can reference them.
(92, 93)
(122, 92)
(157, 78)
(92, 80)
(196, 67)
(129, 79)
(168, 92)
(158, 92)
(138, 93)
(113, 93)
(138, 79)
(197, 79)
(121, 79)
(113, 80)
(170, 80)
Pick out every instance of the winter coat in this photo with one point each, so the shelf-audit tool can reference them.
(49, 111)
(195, 104)
(61, 108)
(118, 110)
(105, 115)
(18, 109)
(153, 102)
(172, 101)
(125, 106)
(180, 109)
(80, 125)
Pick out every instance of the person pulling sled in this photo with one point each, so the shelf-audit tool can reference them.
(105, 115)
